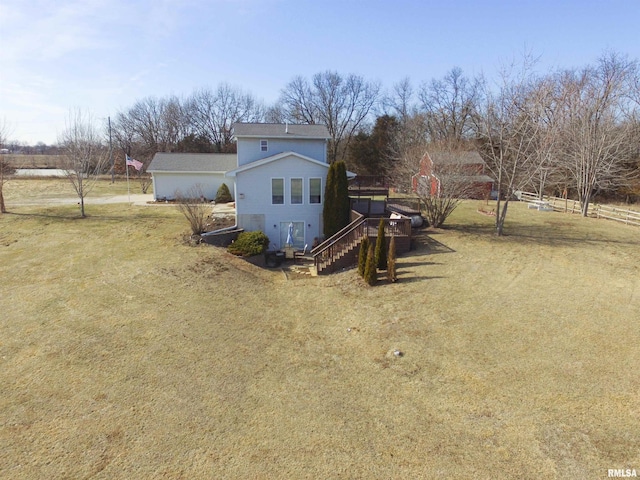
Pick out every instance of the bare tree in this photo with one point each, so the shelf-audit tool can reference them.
(85, 157)
(194, 207)
(151, 125)
(341, 103)
(400, 102)
(5, 169)
(211, 113)
(596, 139)
(452, 178)
(507, 126)
(449, 104)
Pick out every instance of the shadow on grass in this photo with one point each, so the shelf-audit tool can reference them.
(424, 243)
(402, 279)
(417, 264)
(551, 232)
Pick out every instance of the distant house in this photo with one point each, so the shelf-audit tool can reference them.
(277, 178)
(468, 166)
(179, 172)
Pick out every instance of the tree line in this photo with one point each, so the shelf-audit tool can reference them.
(568, 131)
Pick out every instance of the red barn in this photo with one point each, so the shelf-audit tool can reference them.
(468, 168)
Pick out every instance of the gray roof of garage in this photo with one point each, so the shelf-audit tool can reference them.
(193, 162)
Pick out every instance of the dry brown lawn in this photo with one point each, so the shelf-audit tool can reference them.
(126, 353)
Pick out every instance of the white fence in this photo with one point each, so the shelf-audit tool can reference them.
(610, 212)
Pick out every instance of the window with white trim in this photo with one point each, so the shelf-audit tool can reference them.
(315, 190)
(277, 191)
(296, 191)
(264, 145)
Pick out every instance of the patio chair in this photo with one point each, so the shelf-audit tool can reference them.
(299, 254)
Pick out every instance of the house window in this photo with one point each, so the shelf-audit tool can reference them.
(277, 191)
(296, 191)
(315, 190)
(264, 145)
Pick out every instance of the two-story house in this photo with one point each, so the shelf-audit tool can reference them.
(280, 180)
(277, 178)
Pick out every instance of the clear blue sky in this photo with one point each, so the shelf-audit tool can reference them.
(103, 55)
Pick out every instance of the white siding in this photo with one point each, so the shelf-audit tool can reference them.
(165, 184)
(249, 149)
(254, 197)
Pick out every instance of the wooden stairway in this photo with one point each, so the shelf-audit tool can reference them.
(341, 250)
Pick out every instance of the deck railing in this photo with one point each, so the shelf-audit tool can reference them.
(335, 247)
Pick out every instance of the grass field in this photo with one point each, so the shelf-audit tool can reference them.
(126, 353)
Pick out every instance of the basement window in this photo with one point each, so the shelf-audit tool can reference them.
(264, 145)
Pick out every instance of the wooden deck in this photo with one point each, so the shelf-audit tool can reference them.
(402, 209)
(341, 250)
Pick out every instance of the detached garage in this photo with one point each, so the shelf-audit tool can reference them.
(174, 172)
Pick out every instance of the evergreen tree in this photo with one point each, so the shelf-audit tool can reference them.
(391, 261)
(223, 195)
(343, 205)
(337, 210)
(381, 247)
(362, 255)
(329, 208)
(370, 271)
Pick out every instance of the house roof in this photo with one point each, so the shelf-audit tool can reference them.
(460, 158)
(276, 157)
(280, 130)
(193, 162)
(273, 158)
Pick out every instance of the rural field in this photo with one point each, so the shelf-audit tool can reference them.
(125, 353)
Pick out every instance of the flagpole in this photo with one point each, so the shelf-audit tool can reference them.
(127, 167)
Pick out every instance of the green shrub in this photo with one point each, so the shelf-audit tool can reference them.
(336, 210)
(249, 243)
(370, 270)
(362, 255)
(223, 195)
(381, 247)
(391, 261)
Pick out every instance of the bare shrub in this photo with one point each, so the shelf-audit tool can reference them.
(194, 207)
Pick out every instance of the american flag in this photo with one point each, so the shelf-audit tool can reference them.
(134, 163)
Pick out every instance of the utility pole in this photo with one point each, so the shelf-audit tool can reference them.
(113, 167)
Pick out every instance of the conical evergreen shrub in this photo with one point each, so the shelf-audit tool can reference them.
(381, 247)
(337, 209)
(370, 270)
(343, 204)
(391, 261)
(223, 195)
(362, 255)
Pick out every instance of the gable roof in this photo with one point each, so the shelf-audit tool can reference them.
(193, 162)
(280, 130)
(459, 158)
(274, 158)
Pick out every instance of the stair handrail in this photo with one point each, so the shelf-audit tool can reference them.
(340, 233)
(336, 238)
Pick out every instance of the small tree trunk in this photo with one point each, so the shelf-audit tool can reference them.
(501, 216)
(82, 207)
(584, 208)
(2, 206)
